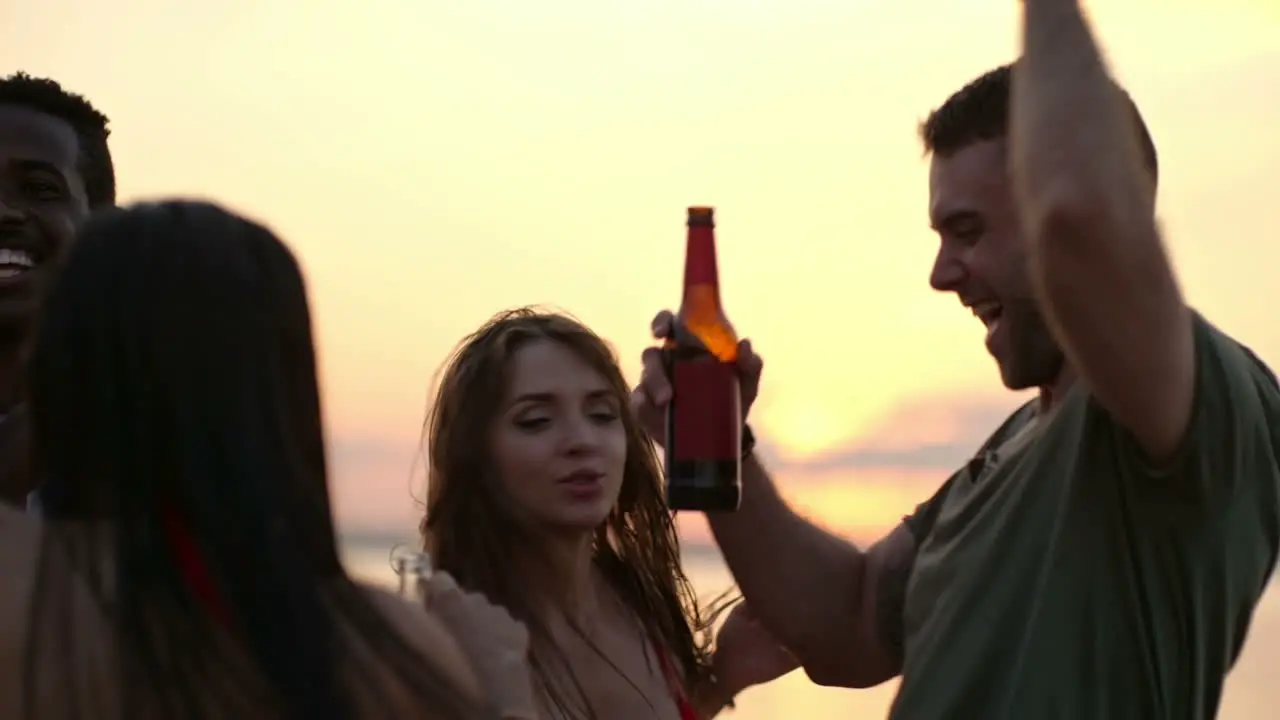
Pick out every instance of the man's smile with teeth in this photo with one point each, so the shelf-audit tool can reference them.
(988, 312)
(14, 262)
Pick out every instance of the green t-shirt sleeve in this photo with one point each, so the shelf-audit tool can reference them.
(1231, 436)
(920, 522)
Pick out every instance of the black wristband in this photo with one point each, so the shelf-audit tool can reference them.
(748, 441)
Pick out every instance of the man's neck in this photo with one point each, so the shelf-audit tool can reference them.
(15, 480)
(11, 373)
(1051, 395)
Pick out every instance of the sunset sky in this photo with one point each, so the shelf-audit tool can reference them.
(433, 162)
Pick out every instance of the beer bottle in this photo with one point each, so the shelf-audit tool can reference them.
(704, 419)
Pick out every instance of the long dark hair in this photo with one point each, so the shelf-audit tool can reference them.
(173, 392)
(636, 548)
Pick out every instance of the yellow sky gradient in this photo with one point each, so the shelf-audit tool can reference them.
(432, 162)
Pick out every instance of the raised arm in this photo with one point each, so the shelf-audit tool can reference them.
(1087, 203)
(838, 608)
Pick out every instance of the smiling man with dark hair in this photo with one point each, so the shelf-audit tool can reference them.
(55, 168)
(1102, 555)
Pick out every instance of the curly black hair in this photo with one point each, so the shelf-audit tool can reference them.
(90, 125)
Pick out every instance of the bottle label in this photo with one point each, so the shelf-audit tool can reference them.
(706, 410)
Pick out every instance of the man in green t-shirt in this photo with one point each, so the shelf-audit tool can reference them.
(1101, 556)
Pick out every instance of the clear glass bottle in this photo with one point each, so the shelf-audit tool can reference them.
(412, 569)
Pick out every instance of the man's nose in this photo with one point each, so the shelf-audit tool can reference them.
(948, 272)
(11, 211)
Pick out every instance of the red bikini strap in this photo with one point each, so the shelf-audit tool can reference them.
(687, 710)
(195, 572)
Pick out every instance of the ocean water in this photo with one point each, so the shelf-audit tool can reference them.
(1252, 691)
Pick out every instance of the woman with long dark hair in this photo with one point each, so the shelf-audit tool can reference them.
(186, 565)
(546, 496)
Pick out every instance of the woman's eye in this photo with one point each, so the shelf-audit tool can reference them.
(532, 423)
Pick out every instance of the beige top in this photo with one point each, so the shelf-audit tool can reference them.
(89, 688)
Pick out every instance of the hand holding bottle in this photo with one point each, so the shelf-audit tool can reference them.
(496, 645)
(650, 398)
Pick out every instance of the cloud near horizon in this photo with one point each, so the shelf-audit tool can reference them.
(858, 489)
(862, 488)
(927, 433)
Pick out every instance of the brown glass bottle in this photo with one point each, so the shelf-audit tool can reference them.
(704, 420)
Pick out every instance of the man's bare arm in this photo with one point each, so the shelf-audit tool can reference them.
(839, 609)
(1101, 272)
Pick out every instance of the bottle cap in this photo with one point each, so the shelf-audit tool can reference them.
(701, 215)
